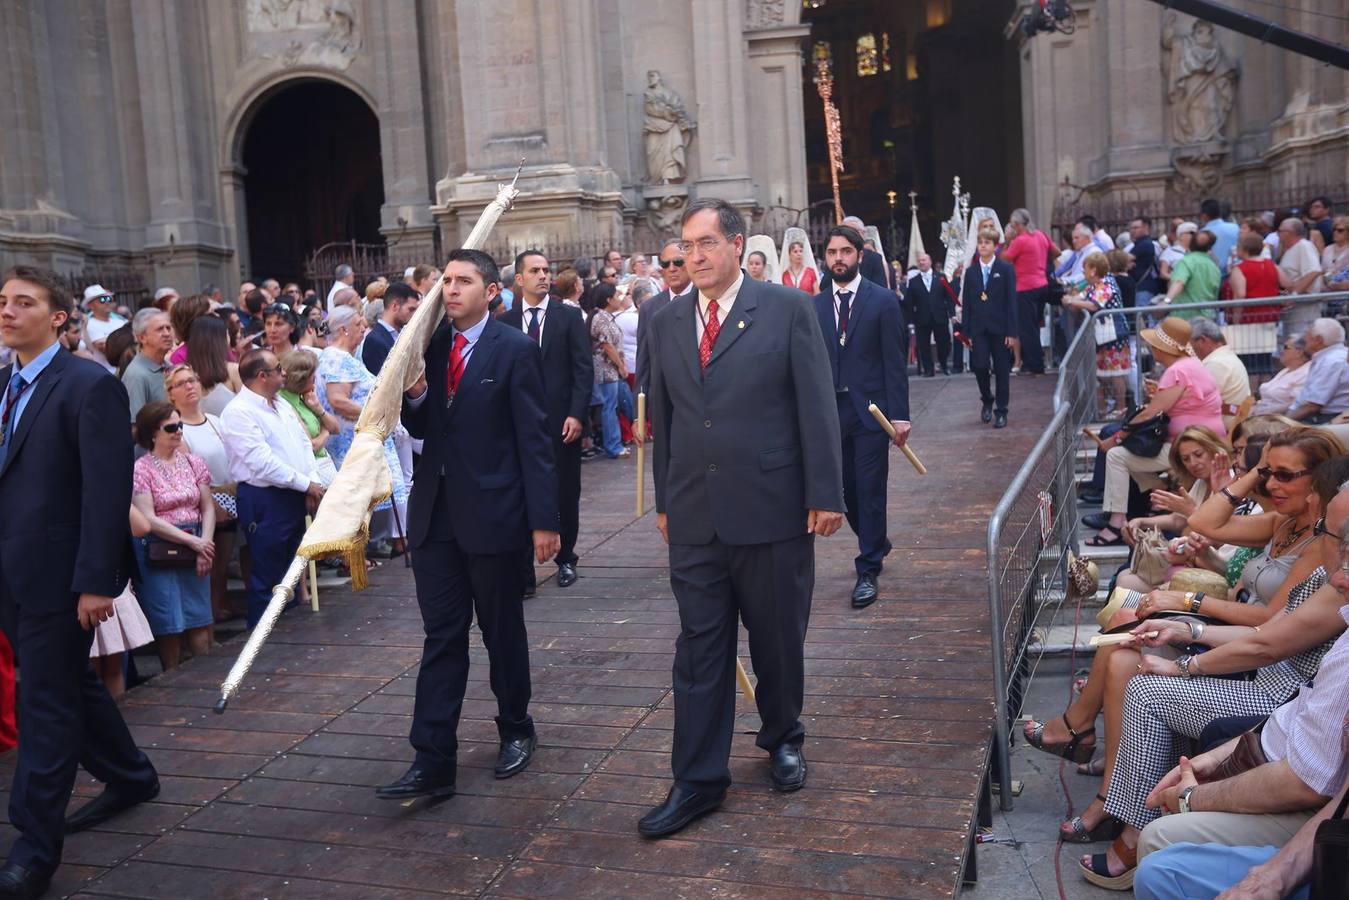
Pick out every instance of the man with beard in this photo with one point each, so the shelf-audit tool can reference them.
(866, 343)
(568, 375)
(747, 472)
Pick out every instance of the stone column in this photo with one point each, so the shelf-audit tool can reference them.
(775, 100)
(721, 144)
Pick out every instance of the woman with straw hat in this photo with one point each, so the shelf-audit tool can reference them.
(1188, 395)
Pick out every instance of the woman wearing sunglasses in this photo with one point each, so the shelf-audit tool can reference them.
(172, 488)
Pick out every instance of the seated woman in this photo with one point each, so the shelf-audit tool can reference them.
(1187, 393)
(1270, 578)
(1277, 394)
(1166, 702)
(1202, 458)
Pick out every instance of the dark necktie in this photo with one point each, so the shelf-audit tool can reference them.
(534, 324)
(844, 301)
(17, 385)
(711, 328)
(456, 367)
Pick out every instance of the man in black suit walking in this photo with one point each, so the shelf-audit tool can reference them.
(988, 297)
(930, 309)
(865, 339)
(747, 469)
(400, 302)
(485, 489)
(65, 489)
(677, 284)
(568, 376)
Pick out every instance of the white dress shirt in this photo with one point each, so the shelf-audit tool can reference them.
(267, 443)
(627, 324)
(852, 287)
(526, 315)
(724, 304)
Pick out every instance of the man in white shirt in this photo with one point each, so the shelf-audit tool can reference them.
(1227, 369)
(102, 321)
(343, 277)
(272, 461)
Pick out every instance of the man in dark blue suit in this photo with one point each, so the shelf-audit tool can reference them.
(930, 306)
(484, 490)
(865, 338)
(400, 302)
(568, 378)
(988, 299)
(65, 494)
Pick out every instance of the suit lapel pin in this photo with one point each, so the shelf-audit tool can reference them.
(742, 324)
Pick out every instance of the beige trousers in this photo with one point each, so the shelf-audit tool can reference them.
(1120, 466)
(1228, 829)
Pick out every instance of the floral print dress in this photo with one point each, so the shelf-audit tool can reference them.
(337, 366)
(1112, 357)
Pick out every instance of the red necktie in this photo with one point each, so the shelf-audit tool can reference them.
(711, 328)
(456, 369)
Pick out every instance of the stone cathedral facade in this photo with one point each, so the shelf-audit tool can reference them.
(190, 138)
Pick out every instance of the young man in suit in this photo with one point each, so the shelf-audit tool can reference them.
(865, 340)
(65, 489)
(485, 489)
(988, 297)
(930, 309)
(568, 375)
(747, 470)
(400, 302)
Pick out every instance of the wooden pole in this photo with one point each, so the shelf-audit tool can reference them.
(746, 686)
(313, 575)
(641, 453)
(890, 430)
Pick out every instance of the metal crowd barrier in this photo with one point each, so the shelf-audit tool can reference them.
(1034, 524)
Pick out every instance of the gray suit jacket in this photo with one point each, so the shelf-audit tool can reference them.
(645, 313)
(745, 450)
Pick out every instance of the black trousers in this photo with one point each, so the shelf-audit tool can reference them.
(866, 474)
(991, 351)
(924, 334)
(568, 457)
(957, 356)
(66, 718)
(768, 587)
(273, 519)
(1030, 310)
(451, 586)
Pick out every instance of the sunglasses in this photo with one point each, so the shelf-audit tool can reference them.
(666, 263)
(1320, 528)
(172, 428)
(1283, 476)
(107, 299)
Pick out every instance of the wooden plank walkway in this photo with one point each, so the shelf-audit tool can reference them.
(275, 798)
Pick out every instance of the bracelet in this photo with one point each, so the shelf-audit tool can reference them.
(1197, 632)
(1231, 498)
(1192, 601)
(1183, 663)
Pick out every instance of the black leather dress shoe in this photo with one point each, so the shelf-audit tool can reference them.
(1091, 497)
(418, 782)
(105, 806)
(681, 807)
(566, 575)
(864, 593)
(19, 881)
(788, 768)
(986, 413)
(1000, 420)
(530, 590)
(515, 756)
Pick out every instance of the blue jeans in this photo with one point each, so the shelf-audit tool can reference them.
(1182, 871)
(610, 398)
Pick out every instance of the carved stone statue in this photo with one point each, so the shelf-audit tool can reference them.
(665, 131)
(322, 33)
(1200, 82)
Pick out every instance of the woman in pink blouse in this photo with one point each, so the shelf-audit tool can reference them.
(1187, 393)
(172, 488)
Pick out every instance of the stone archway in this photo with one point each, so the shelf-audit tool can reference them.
(307, 171)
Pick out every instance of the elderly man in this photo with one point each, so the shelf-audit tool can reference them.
(1195, 278)
(102, 321)
(873, 267)
(1210, 345)
(1299, 273)
(346, 296)
(1185, 232)
(272, 462)
(343, 277)
(144, 375)
(1326, 391)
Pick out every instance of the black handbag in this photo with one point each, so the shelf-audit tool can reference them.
(1330, 856)
(1145, 438)
(161, 554)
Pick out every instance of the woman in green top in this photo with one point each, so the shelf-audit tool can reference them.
(299, 366)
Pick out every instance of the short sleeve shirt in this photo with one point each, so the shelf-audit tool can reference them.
(1201, 404)
(174, 487)
(1202, 280)
(603, 330)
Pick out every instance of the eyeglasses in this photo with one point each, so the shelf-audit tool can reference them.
(1283, 476)
(1320, 528)
(171, 427)
(666, 263)
(704, 245)
(608, 275)
(184, 382)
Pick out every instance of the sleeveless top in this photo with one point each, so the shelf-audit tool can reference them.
(1262, 280)
(1282, 679)
(1265, 573)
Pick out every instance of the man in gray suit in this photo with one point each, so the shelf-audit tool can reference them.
(675, 271)
(748, 470)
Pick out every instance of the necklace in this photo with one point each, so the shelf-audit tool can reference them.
(1293, 535)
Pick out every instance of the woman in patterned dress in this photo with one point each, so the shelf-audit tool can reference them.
(343, 383)
(1112, 332)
